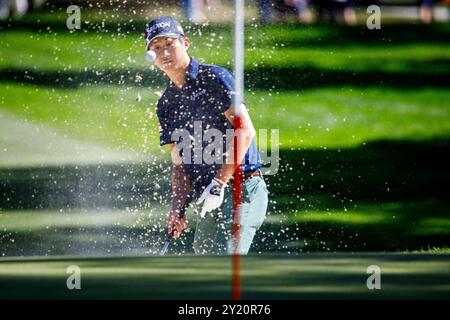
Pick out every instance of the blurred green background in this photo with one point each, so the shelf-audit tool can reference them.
(363, 117)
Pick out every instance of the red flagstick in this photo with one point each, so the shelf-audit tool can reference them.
(237, 189)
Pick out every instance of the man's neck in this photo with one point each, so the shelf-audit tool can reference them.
(178, 76)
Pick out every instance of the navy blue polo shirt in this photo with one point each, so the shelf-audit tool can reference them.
(198, 106)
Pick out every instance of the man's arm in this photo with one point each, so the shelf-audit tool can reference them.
(212, 196)
(181, 191)
(245, 134)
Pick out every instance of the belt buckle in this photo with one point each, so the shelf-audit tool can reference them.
(252, 174)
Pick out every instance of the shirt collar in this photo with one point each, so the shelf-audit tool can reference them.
(193, 68)
(192, 71)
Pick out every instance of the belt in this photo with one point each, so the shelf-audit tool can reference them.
(248, 175)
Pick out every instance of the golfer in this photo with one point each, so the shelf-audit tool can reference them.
(195, 106)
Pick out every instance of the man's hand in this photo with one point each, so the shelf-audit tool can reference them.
(212, 197)
(176, 224)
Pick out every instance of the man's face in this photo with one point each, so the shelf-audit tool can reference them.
(171, 53)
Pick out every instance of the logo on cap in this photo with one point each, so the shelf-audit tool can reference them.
(158, 26)
(162, 26)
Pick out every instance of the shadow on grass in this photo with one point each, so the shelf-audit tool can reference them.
(325, 35)
(283, 277)
(389, 35)
(387, 195)
(412, 225)
(270, 77)
(380, 170)
(108, 186)
(80, 240)
(377, 171)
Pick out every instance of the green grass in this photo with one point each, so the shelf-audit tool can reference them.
(34, 221)
(319, 118)
(444, 249)
(341, 116)
(321, 276)
(363, 119)
(347, 116)
(106, 115)
(100, 51)
(411, 226)
(55, 48)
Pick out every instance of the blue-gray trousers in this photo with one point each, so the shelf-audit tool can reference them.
(214, 235)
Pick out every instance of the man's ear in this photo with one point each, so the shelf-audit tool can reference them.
(186, 42)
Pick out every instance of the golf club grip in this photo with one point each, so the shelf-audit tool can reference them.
(169, 238)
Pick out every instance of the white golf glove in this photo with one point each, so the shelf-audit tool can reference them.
(212, 197)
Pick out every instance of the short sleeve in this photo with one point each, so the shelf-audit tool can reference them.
(224, 83)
